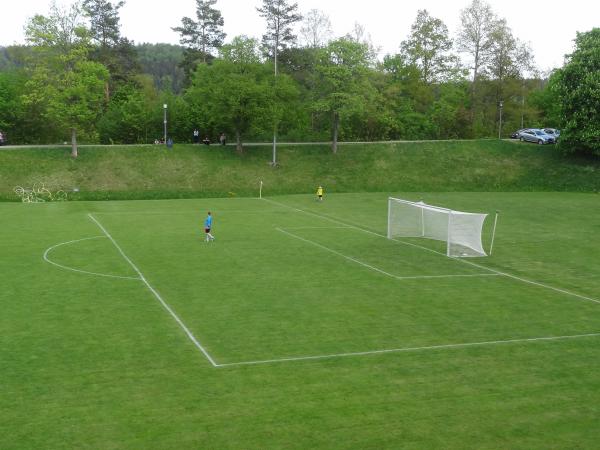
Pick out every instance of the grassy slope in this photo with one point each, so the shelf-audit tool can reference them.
(188, 171)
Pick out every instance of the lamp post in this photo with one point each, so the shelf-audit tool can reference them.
(165, 121)
(274, 161)
(522, 104)
(500, 104)
(522, 111)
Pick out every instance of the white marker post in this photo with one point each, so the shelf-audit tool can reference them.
(494, 232)
(260, 190)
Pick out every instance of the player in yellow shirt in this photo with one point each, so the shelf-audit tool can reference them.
(320, 193)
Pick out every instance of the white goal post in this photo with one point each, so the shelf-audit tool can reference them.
(460, 230)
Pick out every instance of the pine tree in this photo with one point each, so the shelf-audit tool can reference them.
(205, 34)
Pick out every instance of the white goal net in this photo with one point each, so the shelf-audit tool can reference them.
(460, 230)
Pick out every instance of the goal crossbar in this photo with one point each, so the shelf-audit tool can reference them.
(459, 229)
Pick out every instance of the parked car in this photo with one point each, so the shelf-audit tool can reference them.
(552, 132)
(517, 134)
(535, 135)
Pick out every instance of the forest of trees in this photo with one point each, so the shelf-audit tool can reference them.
(78, 79)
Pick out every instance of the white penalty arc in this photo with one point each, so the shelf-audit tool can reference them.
(73, 269)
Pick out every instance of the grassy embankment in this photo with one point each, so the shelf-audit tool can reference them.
(149, 172)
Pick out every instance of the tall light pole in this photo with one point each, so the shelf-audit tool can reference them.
(522, 104)
(500, 104)
(274, 161)
(165, 121)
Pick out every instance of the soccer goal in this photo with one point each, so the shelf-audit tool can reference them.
(460, 230)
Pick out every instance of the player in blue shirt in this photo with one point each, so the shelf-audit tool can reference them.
(207, 227)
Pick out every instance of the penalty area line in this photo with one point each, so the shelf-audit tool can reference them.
(460, 260)
(156, 294)
(410, 349)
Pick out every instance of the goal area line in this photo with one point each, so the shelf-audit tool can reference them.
(373, 268)
(411, 349)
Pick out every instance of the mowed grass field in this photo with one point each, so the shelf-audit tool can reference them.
(301, 326)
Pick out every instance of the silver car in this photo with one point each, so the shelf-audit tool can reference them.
(535, 135)
(552, 132)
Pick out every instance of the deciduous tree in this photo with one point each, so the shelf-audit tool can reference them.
(316, 29)
(342, 69)
(429, 48)
(238, 91)
(12, 114)
(577, 90)
(475, 36)
(64, 85)
(475, 39)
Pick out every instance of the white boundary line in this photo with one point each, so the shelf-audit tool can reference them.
(514, 277)
(186, 213)
(535, 283)
(48, 260)
(340, 355)
(375, 268)
(156, 294)
(409, 349)
(319, 228)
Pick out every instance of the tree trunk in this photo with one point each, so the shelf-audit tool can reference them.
(238, 139)
(336, 126)
(74, 143)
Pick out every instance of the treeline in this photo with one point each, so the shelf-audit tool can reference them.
(77, 77)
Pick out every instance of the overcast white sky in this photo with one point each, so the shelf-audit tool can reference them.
(547, 25)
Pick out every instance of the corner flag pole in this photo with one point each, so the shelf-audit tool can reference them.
(260, 191)
(494, 232)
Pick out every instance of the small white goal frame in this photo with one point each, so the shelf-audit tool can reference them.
(462, 231)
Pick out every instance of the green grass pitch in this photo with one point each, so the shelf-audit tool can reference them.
(301, 326)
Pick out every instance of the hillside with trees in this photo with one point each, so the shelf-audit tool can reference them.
(78, 79)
